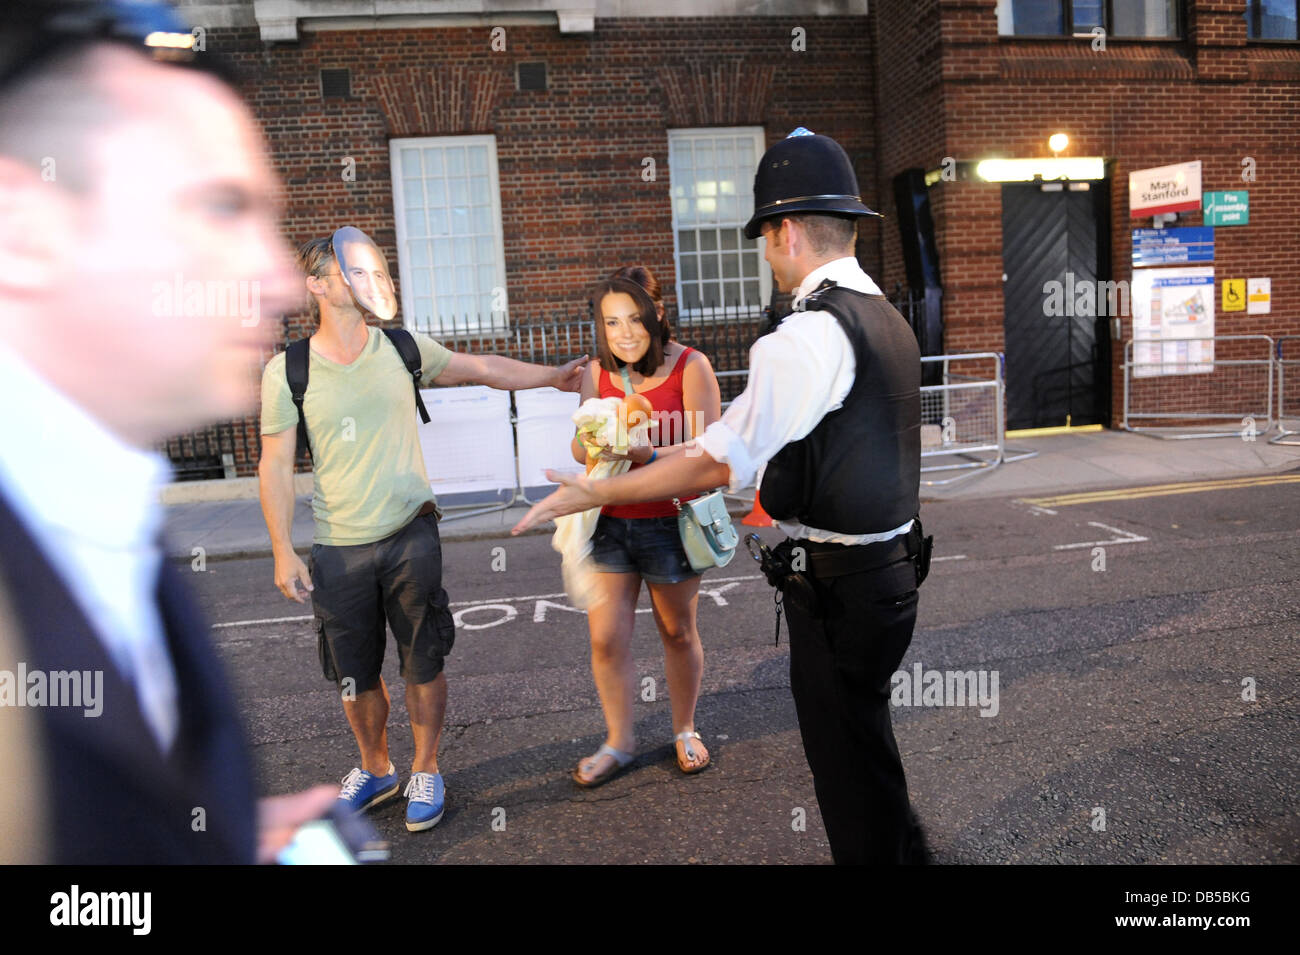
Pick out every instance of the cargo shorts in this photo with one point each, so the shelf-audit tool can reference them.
(358, 588)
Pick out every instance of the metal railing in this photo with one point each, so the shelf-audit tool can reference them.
(1287, 406)
(1199, 387)
(232, 448)
(962, 417)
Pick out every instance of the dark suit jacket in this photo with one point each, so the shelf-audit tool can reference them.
(112, 795)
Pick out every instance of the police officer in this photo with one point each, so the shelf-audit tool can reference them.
(833, 410)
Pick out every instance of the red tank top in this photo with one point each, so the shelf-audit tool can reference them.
(670, 413)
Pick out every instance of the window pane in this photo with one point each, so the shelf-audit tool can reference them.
(730, 237)
(410, 162)
(686, 241)
(1031, 17)
(436, 190)
(478, 160)
(423, 312)
(420, 254)
(1089, 14)
(751, 293)
(438, 222)
(1155, 18)
(710, 294)
(1271, 19)
(730, 267)
(731, 293)
(709, 266)
(689, 268)
(484, 251)
(432, 162)
(708, 240)
(456, 161)
(690, 295)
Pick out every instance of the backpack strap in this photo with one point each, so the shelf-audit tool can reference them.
(297, 361)
(406, 347)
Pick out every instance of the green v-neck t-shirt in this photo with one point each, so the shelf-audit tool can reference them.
(361, 421)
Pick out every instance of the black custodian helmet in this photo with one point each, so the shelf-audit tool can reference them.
(805, 173)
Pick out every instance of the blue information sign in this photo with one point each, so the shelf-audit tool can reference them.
(1173, 246)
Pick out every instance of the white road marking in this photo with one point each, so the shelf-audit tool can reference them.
(1125, 538)
(935, 560)
(254, 623)
(509, 614)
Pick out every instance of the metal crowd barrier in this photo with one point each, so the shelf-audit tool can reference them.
(1196, 393)
(1288, 401)
(963, 418)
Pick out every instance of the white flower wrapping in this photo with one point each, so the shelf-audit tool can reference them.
(598, 427)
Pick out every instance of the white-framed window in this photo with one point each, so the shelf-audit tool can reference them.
(447, 208)
(712, 173)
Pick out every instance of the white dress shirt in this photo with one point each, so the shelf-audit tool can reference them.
(91, 503)
(798, 374)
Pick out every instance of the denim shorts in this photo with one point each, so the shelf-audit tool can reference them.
(649, 546)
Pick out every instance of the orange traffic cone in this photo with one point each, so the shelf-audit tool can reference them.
(757, 517)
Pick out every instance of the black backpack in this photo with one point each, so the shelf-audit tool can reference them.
(297, 361)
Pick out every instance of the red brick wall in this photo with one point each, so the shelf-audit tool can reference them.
(1211, 97)
(573, 201)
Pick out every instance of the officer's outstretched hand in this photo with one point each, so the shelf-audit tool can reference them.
(568, 377)
(575, 494)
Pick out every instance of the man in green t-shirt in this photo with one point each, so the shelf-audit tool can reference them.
(376, 556)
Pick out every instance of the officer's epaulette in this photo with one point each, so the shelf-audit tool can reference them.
(812, 297)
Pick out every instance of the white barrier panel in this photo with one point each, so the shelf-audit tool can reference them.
(468, 444)
(545, 432)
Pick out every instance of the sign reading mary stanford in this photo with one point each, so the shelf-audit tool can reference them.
(1175, 188)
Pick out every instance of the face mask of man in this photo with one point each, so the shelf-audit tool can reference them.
(366, 272)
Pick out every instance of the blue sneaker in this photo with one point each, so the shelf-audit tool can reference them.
(362, 790)
(425, 792)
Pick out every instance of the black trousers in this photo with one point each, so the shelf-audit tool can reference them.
(839, 675)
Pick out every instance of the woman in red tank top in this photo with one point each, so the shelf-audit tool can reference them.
(639, 542)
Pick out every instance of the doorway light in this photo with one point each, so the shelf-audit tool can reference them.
(1029, 170)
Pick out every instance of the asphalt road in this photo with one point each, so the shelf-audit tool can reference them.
(1119, 732)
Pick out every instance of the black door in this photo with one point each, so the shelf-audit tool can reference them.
(1057, 359)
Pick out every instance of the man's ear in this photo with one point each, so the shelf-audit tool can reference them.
(39, 229)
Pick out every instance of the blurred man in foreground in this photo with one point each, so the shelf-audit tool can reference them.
(121, 180)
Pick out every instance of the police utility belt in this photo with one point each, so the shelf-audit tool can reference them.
(891, 568)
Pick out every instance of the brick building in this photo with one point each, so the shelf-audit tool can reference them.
(1137, 83)
(506, 154)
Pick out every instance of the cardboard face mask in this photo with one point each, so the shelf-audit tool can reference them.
(366, 271)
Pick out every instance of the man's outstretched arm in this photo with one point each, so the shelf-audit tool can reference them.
(689, 472)
(496, 371)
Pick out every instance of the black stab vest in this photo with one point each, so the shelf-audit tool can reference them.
(859, 470)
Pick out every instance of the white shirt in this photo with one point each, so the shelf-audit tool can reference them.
(783, 403)
(91, 504)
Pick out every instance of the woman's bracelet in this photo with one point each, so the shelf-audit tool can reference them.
(653, 454)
